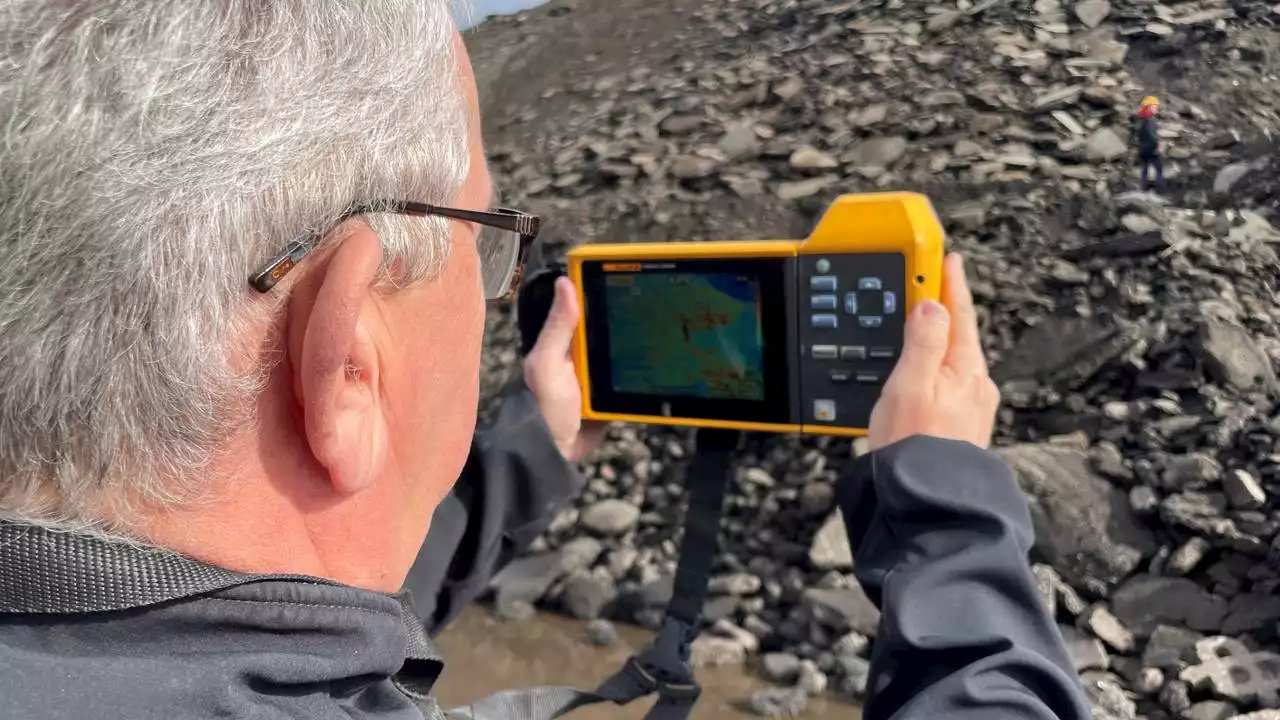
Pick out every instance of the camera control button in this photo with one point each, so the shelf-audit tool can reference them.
(851, 303)
(822, 283)
(822, 302)
(853, 352)
(870, 321)
(869, 283)
(890, 302)
(824, 410)
(825, 352)
(868, 378)
(882, 353)
(841, 376)
(827, 322)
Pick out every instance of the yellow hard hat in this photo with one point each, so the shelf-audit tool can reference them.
(1149, 101)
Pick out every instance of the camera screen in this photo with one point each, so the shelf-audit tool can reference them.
(696, 335)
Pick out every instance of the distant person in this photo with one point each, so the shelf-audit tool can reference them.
(1148, 139)
(245, 252)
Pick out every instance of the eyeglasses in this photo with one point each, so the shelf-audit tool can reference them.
(503, 244)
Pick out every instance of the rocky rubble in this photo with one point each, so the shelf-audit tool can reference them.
(1135, 338)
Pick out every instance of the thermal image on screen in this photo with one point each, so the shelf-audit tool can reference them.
(685, 334)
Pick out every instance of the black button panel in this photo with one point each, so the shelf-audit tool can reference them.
(850, 333)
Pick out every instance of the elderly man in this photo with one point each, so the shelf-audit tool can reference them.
(245, 257)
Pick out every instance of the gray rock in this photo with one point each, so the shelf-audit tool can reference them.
(810, 678)
(1251, 613)
(1108, 461)
(842, 610)
(850, 644)
(1053, 99)
(1210, 710)
(586, 595)
(1105, 144)
(868, 116)
(1108, 696)
(1145, 602)
(601, 633)
(1228, 176)
(739, 142)
(1228, 669)
(1047, 587)
(810, 158)
(1170, 647)
(692, 167)
(817, 498)
(830, 548)
(713, 651)
(780, 667)
(1175, 697)
(1243, 490)
(1107, 52)
(1233, 358)
(745, 637)
(1149, 681)
(797, 189)
(879, 152)
(1084, 525)
(580, 553)
(682, 124)
(779, 703)
(1202, 513)
(1190, 472)
(1108, 628)
(789, 88)
(1140, 223)
(1187, 557)
(1143, 500)
(1086, 652)
(855, 673)
(527, 579)
(967, 216)
(1091, 13)
(514, 610)
(735, 584)
(610, 517)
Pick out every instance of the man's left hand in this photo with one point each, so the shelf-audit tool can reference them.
(549, 373)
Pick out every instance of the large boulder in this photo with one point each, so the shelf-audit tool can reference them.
(1084, 526)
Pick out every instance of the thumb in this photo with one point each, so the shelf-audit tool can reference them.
(924, 346)
(562, 320)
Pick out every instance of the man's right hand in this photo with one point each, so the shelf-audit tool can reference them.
(940, 386)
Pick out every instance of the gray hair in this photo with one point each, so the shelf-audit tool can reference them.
(153, 153)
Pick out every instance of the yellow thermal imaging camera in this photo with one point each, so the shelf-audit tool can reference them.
(771, 335)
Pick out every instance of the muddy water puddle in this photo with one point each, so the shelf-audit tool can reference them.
(484, 654)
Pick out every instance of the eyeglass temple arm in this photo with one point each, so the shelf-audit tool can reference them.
(516, 223)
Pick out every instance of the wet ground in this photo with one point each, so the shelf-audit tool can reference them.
(484, 654)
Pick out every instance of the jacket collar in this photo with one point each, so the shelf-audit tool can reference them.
(54, 573)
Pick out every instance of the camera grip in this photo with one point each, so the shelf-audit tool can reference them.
(533, 304)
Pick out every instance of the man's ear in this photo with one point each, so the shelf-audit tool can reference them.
(336, 364)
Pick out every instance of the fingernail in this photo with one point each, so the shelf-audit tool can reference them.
(929, 308)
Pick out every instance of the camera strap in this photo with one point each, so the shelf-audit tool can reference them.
(664, 668)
